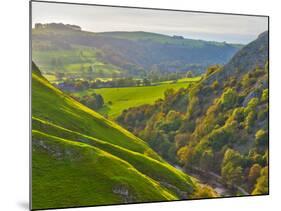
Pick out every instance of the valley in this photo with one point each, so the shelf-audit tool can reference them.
(128, 117)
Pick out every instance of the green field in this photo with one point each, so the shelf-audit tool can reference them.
(79, 158)
(75, 62)
(124, 98)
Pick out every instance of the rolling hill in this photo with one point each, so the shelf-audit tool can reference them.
(131, 53)
(79, 158)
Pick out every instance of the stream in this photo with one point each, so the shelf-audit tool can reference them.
(215, 181)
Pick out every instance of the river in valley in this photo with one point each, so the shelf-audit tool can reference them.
(214, 181)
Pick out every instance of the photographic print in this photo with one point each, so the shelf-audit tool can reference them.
(137, 105)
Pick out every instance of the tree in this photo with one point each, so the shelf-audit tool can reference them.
(146, 82)
(231, 169)
(231, 156)
(169, 93)
(250, 120)
(212, 69)
(215, 85)
(252, 104)
(181, 139)
(231, 173)
(261, 138)
(261, 186)
(82, 68)
(229, 98)
(90, 69)
(264, 96)
(185, 155)
(207, 159)
(189, 74)
(204, 191)
(254, 173)
(98, 100)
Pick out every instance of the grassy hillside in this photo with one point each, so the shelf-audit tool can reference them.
(160, 38)
(80, 158)
(119, 99)
(132, 53)
(74, 62)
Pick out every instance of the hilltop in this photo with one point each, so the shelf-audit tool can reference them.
(123, 53)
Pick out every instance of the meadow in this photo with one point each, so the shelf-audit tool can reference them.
(118, 99)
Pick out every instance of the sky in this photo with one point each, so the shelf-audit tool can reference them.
(194, 25)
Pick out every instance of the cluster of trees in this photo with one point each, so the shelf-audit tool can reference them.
(93, 101)
(75, 85)
(158, 76)
(220, 127)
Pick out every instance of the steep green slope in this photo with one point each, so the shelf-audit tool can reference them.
(67, 173)
(80, 158)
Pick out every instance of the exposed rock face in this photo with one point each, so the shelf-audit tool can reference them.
(251, 56)
(250, 96)
(124, 192)
(58, 152)
(181, 194)
(263, 84)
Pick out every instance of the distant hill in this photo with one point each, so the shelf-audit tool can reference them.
(79, 158)
(129, 52)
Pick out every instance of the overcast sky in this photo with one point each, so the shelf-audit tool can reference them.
(215, 27)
